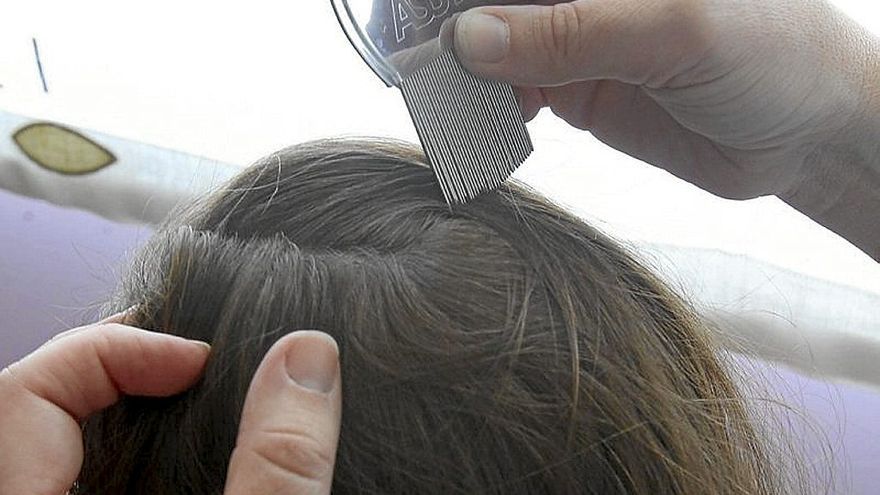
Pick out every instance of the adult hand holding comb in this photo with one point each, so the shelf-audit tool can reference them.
(743, 98)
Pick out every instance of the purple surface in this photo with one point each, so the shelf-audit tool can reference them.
(57, 265)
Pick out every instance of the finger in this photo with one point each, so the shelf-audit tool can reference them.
(46, 393)
(548, 45)
(120, 318)
(86, 371)
(531, 101)
(290, 422)
(628, 119)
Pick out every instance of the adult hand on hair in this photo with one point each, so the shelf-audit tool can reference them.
(289, 426)
(741, 97)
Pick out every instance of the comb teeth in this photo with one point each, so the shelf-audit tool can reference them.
(471, 129)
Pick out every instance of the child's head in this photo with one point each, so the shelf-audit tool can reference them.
(499, 347)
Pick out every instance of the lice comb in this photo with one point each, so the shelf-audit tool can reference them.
(471, 129)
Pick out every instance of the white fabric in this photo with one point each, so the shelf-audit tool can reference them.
(816, 326)
(142, 185)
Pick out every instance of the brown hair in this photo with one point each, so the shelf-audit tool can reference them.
(499, 347)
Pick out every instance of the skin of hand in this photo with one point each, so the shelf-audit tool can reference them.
(743, 98)
(289, 426)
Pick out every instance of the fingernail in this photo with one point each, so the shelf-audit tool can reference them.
(201, 344)
(481, 37)
(121, 316)
(312, 360)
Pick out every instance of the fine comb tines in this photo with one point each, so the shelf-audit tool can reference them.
(471, 129)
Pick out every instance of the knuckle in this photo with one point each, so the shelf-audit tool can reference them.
(100, 339)
(560, 32)
(294, 451)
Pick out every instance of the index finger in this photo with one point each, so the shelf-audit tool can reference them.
(46, 393)
(86, 369)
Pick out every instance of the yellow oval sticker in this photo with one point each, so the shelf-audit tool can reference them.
(62, 150)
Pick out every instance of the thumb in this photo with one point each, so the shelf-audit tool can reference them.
(290, 422)
(632, 41)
